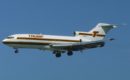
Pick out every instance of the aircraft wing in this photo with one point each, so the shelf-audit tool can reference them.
(78, 46)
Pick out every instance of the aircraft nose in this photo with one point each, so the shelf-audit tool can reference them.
(4, 41)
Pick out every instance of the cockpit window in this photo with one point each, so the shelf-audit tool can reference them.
(10, 37)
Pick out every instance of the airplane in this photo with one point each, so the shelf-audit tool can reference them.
(61, 44)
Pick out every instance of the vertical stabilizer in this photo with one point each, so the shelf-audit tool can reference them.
(98, 32)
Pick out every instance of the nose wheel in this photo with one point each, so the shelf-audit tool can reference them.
(16, 51)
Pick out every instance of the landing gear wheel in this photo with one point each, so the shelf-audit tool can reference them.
(58, 55)
(16, 51)
(70, 53)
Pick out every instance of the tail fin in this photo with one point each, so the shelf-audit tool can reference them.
(98, 32)
(103, 28)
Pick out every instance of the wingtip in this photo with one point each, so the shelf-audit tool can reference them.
(114, 26)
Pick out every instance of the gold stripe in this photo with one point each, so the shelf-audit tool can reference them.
(85, 34)
(65, 40)
(99, 35)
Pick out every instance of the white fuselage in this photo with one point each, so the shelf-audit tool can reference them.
(60, 44)
(39, 41)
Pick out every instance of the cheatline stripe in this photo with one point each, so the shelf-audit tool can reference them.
(26, 43)
(65, 40)
(99, 35)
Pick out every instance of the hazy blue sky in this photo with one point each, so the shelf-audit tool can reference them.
(62, 17)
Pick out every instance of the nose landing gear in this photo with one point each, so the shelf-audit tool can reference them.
(16, 51)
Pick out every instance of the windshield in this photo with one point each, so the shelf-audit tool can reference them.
(10, 37)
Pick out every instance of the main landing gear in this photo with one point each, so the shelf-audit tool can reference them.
(69, 53)
(58, 53)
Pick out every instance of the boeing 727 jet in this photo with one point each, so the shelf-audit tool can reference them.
(61, 44)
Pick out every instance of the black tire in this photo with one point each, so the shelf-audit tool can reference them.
(16, 51)
(70, 53)
(58, 55)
